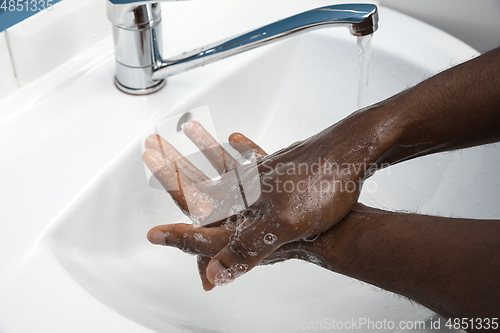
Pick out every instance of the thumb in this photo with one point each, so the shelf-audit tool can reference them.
(202, 270)
(245, 250)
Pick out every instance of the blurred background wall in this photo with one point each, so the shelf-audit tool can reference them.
(476, 22)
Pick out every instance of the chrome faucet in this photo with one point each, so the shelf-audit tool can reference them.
(141, 69)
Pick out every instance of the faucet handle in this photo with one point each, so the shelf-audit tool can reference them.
(138, 43)
(135, 14)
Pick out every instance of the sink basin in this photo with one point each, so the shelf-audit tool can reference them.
(275, 95)
(275, 100)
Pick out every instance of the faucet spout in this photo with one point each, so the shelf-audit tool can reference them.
(361, 19)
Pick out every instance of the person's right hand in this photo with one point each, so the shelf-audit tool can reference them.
(305, 190)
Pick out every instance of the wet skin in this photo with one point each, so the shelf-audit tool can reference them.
(282, 214)
(457, 108)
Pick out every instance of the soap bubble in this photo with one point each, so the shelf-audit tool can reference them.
(223, 278)
(235, 209)
(269, 239)
(239, 269)
(297, 208)
(199, 238)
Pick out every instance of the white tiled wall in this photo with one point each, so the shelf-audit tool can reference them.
(7, 77)
(46, 40)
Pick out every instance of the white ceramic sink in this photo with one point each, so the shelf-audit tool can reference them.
(95, 253)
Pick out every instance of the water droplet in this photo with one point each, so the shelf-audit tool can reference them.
(297, 208)
(223, 278)
(239, 269)
(235, 209)
(230, 227)
(269, 239)
(314, 259)
(199, 238)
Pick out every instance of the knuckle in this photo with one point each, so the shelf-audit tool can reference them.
(238, 249)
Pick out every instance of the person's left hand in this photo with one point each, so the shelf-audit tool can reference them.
(207, 242)
(191, 188)
(191, 199)
(305, 191)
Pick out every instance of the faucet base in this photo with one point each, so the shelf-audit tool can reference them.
(142, 91)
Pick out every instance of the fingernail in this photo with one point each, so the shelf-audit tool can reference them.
(217, 274)
(187, 125)
(157, 237)
(153, 141)
(153, 160)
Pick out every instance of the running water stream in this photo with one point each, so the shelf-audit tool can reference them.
(364, 51)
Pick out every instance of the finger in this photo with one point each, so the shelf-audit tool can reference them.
(244, 145)
(190, 238)
(221, 160)
(187, 196)
(202, 270)
(168, 152)
(245, 250)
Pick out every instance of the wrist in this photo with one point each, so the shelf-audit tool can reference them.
(368, 137)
